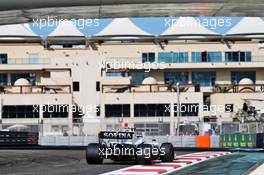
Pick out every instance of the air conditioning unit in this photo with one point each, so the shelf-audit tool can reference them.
(261, 44)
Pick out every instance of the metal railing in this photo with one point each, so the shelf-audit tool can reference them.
(22, 61)
(152, 88)
(238, 88)
(123, 88)
(138, 60)
(36, 89)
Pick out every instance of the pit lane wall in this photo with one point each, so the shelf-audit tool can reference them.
(224, 141)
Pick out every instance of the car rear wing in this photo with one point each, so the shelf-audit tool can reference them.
(115, 135)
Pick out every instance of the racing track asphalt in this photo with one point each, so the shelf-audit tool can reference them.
(54, 162)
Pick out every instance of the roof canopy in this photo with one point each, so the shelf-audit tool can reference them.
(188, 26)
(248, 26)
(16, 30)
(122, 27)
(66, 29)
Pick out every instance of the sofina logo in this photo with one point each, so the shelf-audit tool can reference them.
(116, 135)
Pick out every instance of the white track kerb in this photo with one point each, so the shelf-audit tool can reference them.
(158, 167)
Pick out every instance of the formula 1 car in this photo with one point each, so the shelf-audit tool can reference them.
(123, 146)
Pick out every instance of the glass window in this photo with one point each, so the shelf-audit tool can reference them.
(236, 76)
(76, 86)
(165, 57)
(238, 56)
(173, 57)
(98, 86)
(214, 56)
(187, 109)
(56, 111)
(33, 58)
(117, 74)
(176, 77)
(183, 57)
(148, 57)
(151, 110)
(3, 79)
(20, 111)
(117, 110)
(196, 57)
(138, 77)
(3, 58)
(152, 129)
(248, 56)
(204, 78)
(206, 57)
(232, 56)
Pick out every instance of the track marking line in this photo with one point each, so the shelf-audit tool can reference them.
(186, 162)
(168, 167)
(159, 171)
(173, 166)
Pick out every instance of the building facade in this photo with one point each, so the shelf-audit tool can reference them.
(129, 83)
(213, 76)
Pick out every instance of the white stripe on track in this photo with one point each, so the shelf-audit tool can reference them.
(192, 157)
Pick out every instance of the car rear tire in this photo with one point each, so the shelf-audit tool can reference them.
(167, 152)
(93, 154)
(144, 154)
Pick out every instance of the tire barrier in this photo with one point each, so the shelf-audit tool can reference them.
(8, 138)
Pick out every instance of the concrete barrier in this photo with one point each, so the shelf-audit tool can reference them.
(47, 140)
(189, 141)
(159, 139)
(76, 141)
(62, 141)
(175, 140)
(67, 140)
(90, 139)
